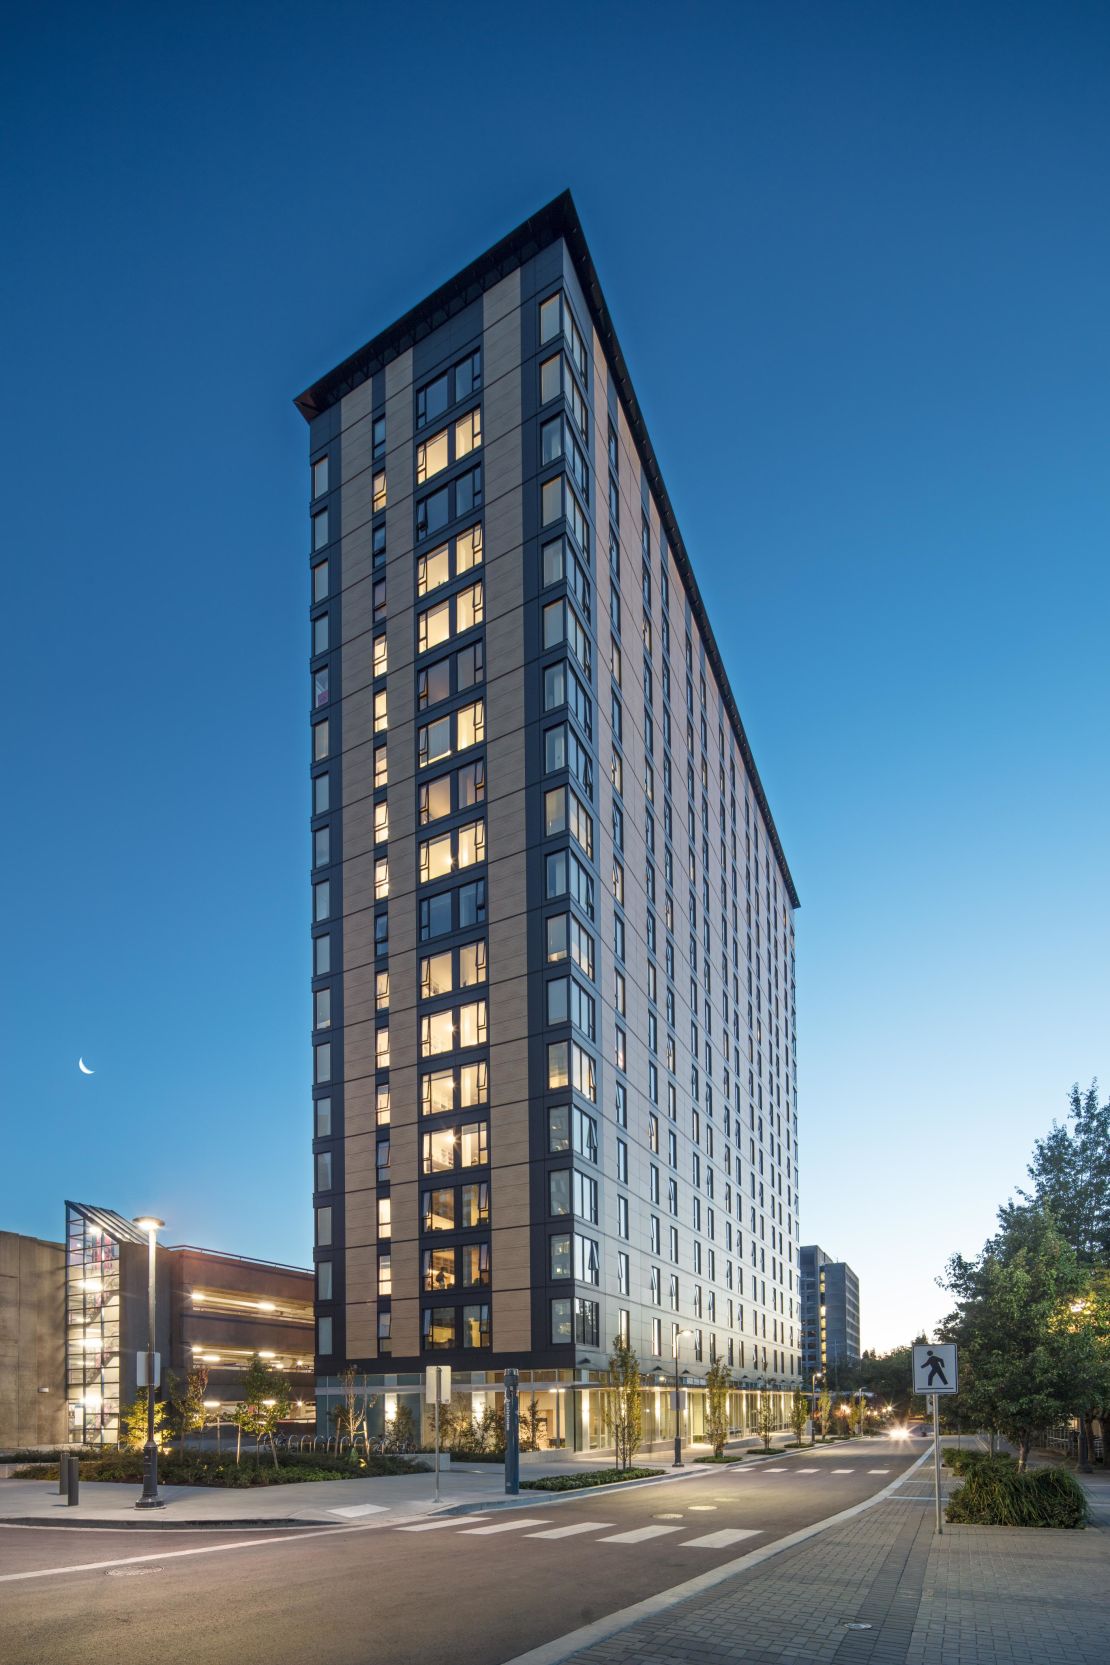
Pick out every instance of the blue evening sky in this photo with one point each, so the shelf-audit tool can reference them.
(859, 259)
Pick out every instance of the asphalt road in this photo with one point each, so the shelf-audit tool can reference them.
(466, 1590)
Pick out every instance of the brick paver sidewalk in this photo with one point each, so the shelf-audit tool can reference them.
(975, 1596)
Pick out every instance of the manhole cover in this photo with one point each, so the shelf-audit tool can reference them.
(130, 1572)
(857, 1624)
(671, 1516)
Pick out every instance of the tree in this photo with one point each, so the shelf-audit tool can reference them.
(185, 1397)
(267, 1398)
(400, 1431)
(824, 1411)
(718, 1381)
(799, 1412)
(1070, 1171)
(1022, 1368)
(132, 1423)
(765, 1419)
(531, 1423)
(622, 1404)
(349, 1415)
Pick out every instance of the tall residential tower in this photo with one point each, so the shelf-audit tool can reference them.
(553, 935)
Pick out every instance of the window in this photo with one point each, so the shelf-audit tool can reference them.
(559, 1191)
(324, 1335)
(323, 1171)
(586, 1322)
(587, 1260)
(439, 1328)
(432, 456)
(475, 1265)
(324, 1281)
(585, 1196)
(323, 1227)
(439, 1210)
(475, 1326)
(562, 1326)
(438, 1269)
(320, 477)
(322, 1014)
(379, 497)
(320, 529)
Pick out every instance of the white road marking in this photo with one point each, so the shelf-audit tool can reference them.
(721, 1540)
(501, 1526)
(835, 1471)
(360, 1509)
(878, 1471)
(702, 1508)
(177, 1554)
(774, 1471)
(639, 1535)
(436, 1525)
(569, 1531)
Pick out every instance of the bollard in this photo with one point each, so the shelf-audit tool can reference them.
(63, 1470)
(73, 1482)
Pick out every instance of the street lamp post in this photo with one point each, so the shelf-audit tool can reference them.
(813, 1407)
(214, 1405)
(150, 1498)
(678, 1463)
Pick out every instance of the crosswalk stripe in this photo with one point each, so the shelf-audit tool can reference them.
(436, 1525)
(835, 1471)
(500, 1526)
(721, 1540)
(807, 1471)
(878, 1471)
(639, 1535)
(773, 1471)
(359, 1509)
(569, 1531)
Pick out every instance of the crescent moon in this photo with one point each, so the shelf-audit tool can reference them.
(84, 1068)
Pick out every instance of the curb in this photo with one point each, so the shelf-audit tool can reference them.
(125, 1525)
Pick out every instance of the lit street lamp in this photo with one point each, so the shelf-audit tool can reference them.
(214, 1405)
(150, 1498)
(678, 1463)
(813, 1406)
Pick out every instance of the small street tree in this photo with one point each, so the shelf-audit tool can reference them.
(622, 1403)
(267, 1398)
(132, 1423)
(799, 1413)
(718, 1381)
(349, 1416)
(400, 1431)
(765, 1419)
(824, 1411)
(531, 1423)
(185, 1399)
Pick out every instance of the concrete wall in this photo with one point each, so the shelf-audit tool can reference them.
(32, 1328)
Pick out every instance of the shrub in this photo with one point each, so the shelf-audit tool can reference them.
(208, 1469)
(996, 1493)
(725, 1457)
(962, 1462)
(596, 1477)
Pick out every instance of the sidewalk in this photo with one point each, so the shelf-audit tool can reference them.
(975, 1596)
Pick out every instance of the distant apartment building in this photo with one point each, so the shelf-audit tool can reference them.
(830, 1312)
(553, 951)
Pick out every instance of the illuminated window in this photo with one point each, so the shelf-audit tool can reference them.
(468, 433)
(432, 456)
(475, 1326)
(379, 501)
(432, 570)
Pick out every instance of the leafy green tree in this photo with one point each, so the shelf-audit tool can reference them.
(765, 1419)
(1021, 1368)
(622, 1404)
(799, 1412)
(400, 1431)
(185, 1401)
(531, 1423)
(132, 1423)
(1070, 1171)
(266, 1399)
(824, 1412)
(718, 1381)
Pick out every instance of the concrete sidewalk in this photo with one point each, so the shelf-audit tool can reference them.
(881, 1589)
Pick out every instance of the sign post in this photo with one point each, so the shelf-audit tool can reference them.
(437, 1392)
(512, 1431)
(936, 1371)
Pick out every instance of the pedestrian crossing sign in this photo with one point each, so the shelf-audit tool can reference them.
(935, 1367)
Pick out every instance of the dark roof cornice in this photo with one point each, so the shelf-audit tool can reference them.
(558, 219)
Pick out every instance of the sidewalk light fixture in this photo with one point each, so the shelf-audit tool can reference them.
(150, 1499)
(678, 1463)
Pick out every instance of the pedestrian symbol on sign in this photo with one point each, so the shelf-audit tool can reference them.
(935, 1367)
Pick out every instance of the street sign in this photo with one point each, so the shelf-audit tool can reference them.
(437, 1384)
(934, 1367)
(140, 1369)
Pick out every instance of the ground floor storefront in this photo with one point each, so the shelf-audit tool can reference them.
(561, 1410)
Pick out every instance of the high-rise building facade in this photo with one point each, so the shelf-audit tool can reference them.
(830, 1329)
(554, 1035)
